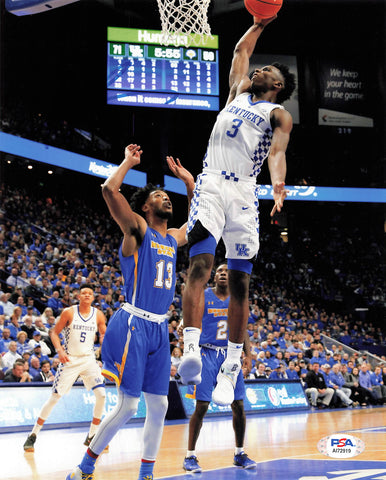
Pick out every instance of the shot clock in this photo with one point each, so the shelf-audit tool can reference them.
(143, 72)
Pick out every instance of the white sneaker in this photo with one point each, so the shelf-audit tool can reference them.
(224, 393)
(190, 368)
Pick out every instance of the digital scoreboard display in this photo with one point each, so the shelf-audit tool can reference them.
(143, 72)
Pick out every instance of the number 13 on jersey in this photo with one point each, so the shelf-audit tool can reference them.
(164, 270)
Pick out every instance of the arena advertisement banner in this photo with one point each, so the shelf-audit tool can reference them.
(91, 166)
(20, 406)
(258, 61)
(58, 157)
(260, 395)
(343, 100)
(305, 193)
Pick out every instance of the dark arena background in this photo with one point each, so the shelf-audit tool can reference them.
(322, 262)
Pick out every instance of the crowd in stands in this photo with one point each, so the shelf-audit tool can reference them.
(60, 133)
(50, 246)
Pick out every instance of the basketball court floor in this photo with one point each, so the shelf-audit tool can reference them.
(284, 445)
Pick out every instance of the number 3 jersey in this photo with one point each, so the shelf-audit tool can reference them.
(241, 137)
(215, 320)
(79, 336)
(149, 275)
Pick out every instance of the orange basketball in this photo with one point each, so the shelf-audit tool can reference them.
(263, 8)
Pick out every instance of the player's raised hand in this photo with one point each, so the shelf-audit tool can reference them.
(279, 194)
(180, 171)
(133, 154)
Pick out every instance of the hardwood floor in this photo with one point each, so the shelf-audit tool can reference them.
(281, 444)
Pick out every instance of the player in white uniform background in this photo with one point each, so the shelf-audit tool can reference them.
(79, 324)
(253, 126)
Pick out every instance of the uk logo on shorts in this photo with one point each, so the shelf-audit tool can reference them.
(242, 250)
(341, 446)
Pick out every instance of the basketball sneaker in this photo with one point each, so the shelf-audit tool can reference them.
(29, 443)
(191, 464)
(242, 460)
(224, 392)
(190, 368)
(89, 440)
(77, 474)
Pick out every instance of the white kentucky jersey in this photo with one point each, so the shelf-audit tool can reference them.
(79, 336)
(241, 137)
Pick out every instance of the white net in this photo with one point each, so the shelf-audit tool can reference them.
(184, 22)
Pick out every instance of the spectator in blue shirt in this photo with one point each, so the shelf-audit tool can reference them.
(15, 322)
(55, 303)
(337, 380)
(377, 382)
(365, 382)
(329, 359)
(279, 373)
(350, 366)
(270, 361)
(5, 340)
(315, 357)
(270, 345)
(294, 349)
(22, 343)
(292, 374)
(34, 368)
(20, 303)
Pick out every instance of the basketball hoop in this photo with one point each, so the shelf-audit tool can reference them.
(184, 22)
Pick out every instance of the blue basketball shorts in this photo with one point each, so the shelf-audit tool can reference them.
(136, 354)
(211, 363)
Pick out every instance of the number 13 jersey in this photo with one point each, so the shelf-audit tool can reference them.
(150, 274)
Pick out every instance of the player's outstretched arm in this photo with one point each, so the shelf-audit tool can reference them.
(239, 81)
(281, 121)
(183, 174)
(129, 222)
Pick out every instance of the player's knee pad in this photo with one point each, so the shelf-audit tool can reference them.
(240, 265)
(200, 240)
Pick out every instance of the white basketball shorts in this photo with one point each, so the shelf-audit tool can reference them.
(227, 205)
(85, 367)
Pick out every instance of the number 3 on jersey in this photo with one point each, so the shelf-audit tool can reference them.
(159, 282)
(236, 124)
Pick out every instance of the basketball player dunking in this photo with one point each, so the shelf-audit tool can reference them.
(253, 126)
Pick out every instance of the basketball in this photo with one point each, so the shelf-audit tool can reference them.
(263, 8)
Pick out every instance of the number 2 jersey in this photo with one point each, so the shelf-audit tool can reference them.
(241, 137)
(215, 320)
(150, 274)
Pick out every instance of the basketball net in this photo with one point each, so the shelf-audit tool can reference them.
(184, 22)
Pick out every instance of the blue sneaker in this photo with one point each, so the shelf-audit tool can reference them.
(242, 460)
(191, 464)
(148, 476)
(77, 474)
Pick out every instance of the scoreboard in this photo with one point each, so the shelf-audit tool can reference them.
(141, 71)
